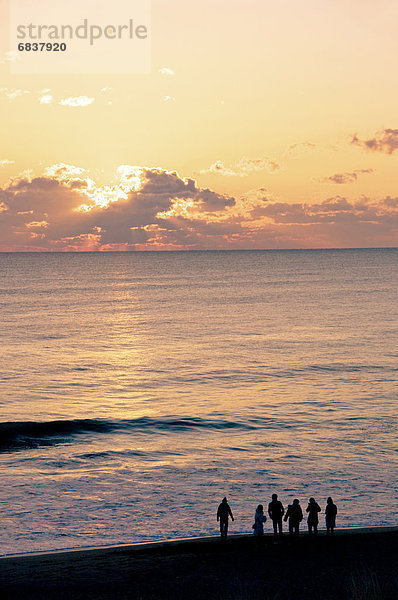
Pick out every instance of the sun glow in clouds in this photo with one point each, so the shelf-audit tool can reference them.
(150, 208)
(130, 177)
(130, 180)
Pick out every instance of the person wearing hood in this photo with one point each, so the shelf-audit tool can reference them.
(259, 520)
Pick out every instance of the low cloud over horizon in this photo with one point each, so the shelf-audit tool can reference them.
(154, 209)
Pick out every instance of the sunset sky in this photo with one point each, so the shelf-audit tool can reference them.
(261, 125)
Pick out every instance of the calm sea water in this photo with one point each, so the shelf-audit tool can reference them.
(137, 389)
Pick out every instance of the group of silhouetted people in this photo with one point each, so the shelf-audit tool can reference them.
(277, 514)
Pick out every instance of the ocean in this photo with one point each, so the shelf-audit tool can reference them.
(138, 389)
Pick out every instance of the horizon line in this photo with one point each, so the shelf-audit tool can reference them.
(340, 248)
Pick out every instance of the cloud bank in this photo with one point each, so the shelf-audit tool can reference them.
(153, 209)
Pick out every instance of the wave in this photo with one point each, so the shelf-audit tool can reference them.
(32, 434)
(23, 435)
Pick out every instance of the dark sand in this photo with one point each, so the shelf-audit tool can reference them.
(354, 565)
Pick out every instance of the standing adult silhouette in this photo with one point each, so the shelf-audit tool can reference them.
(223, 512)
(276, 512)
(330, 516)
(295, 516)
(313, 509)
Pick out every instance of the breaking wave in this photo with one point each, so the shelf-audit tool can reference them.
(22, 435)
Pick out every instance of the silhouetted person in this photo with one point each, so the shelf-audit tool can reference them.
(313, 509)
(223, 513)
(330, 516)
(295, 516)
(276, 512)
(259, 520)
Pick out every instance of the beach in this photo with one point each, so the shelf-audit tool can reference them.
(356, 564)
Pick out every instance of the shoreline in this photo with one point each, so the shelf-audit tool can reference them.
(243, 567)
(173, 542)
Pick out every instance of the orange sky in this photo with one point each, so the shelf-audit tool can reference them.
(260, 125)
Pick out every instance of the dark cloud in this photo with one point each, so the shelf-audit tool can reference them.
(346, 177)
(45, 210)
(385, 141)
(211, 201)
(42, 195)
(331, 211)
(159, 182)
(391, 202)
